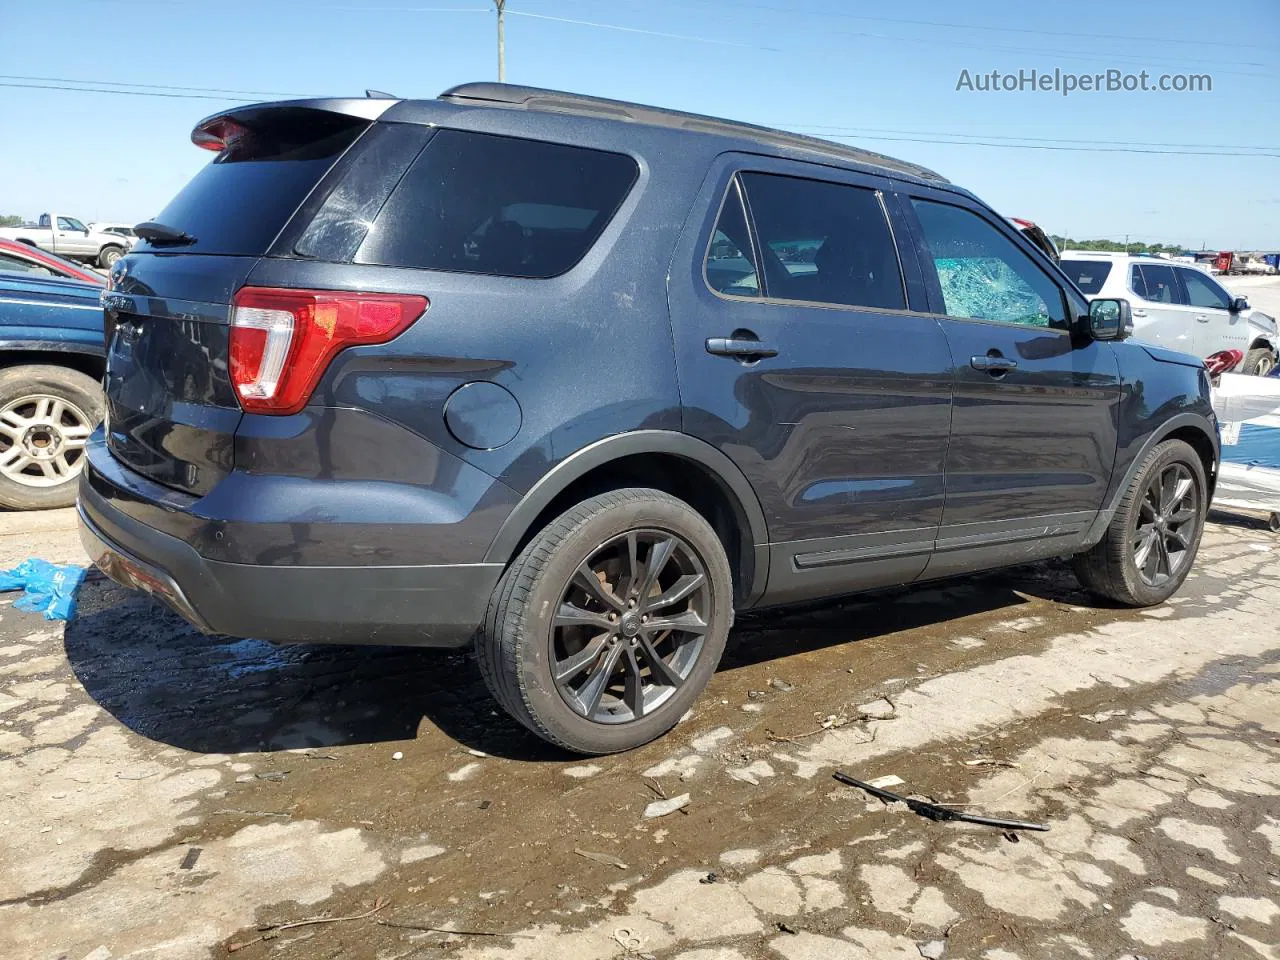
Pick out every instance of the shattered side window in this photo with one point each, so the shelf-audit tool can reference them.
(983, 275)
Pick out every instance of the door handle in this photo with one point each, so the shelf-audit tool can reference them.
(740, 348)
(1202, 317)
(995, 366)
(1139, 313)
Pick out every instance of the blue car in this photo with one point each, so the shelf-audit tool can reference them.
(51, 360)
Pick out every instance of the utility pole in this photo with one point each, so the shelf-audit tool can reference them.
(502, 43)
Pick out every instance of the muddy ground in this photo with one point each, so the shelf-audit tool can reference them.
(163, 794)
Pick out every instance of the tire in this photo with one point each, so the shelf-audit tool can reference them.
(107, 256)
(524, 641)
(44, 409)
(1110, 569)
(1259, 362)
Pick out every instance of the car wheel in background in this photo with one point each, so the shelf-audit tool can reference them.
(611, 621)
(107, 257)
(1151, 543)
(1259, 362)
(46, 416)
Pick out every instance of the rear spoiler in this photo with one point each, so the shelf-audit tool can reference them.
(220, 130)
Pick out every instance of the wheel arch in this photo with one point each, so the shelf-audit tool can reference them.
(676, 463)
(89, 362)
(1263, 340)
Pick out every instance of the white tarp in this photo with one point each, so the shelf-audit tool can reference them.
(1248, 410)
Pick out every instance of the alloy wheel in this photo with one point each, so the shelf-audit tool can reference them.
(1168, 517)
(42, 440)
(630, 626)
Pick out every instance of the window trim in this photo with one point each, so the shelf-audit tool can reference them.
(757, 248)
(912, 194)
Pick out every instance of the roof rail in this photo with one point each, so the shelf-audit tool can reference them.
(556, 101)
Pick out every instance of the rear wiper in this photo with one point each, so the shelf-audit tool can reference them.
(159, 235)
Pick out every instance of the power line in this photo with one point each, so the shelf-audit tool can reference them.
(152, 86)
(1042, 146)
(835, 131)
(1023, 30)
(131, 93)
(651, 33)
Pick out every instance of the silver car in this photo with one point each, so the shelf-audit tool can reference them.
(1178, 306)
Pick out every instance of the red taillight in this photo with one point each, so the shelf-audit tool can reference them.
(217, 135)
(282, 340)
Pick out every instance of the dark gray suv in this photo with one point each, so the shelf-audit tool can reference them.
(572, 380)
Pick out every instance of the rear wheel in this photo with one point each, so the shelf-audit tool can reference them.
(46, 416)
(1259, 362)
(1151, 543)
(610, 622)
(107, 257)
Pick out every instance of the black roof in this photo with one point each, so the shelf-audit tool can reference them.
(556, 101)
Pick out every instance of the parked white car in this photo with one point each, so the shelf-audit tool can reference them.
(1178, 306)
(68, 237)
(119, 229)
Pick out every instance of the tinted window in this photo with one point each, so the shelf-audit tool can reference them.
(479, 203)
(1088, 275)
(983, 275)
(824, 242)
(240, 201)
(69, 223)
(731, 264)
(1203, 292)
(1155, 282)
(10, 264)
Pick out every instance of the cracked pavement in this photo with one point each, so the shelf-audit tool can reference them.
(163, 794)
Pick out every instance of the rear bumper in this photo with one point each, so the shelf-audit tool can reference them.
(427, 605)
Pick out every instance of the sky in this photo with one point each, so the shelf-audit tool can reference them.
(1199, 169)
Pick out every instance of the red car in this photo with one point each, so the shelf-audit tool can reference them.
(18, 257)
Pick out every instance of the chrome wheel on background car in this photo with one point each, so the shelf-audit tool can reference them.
(1167, 520)
(42, 440)
(610, 622)
(629, 627)
(46, 416)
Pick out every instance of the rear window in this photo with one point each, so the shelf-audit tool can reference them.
(1088, 275)
(480, 203)
(240, 201)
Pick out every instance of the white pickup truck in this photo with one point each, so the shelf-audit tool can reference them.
(68, 237)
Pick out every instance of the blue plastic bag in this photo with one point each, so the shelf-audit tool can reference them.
(49, 589)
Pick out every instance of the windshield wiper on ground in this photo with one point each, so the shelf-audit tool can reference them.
(160, 235)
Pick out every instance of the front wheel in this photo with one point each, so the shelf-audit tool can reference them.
(1259, 362)
(610, 623)
(1151, 543)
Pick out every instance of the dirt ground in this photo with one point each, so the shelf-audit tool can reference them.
(163, 794)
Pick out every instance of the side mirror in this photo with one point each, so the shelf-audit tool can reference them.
(1239, 304)
(1110, 319)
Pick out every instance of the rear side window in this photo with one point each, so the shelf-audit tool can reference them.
(239, 202)
(1155, 282)
(480, 203)
(1088, 275)
(824, 242)
(731, 264)
(983, 274)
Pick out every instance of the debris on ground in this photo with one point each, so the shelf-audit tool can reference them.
(880, 709)
(48, 589)
(711, 877)
(936, 812)
(189, 861)
(782, 686)
(990, 762)
(783, 927)
(270, 931)
(886, 782)
(933, 950)
(661, 808)
(397, 755)
(608, 859)
(1103, 716)
(755, 694)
